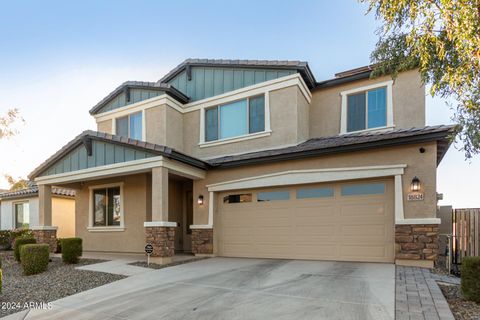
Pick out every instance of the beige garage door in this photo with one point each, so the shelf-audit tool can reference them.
(350, 221)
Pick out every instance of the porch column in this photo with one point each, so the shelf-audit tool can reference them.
(159, 232)
(45, 232)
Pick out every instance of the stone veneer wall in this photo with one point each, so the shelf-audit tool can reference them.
(46, 236)
(202, 241)
(162, 239)
(416, 242)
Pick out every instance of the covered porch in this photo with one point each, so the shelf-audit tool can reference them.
(128, 193)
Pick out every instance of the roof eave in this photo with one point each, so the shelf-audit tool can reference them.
(170, 90)
(429, 137)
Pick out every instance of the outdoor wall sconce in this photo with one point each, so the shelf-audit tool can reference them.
(415, 185)
(200, 200)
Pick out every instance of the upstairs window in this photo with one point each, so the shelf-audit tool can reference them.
(367, 109)
(130, 126)
(235, 119)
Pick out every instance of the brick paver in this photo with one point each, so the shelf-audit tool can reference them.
(417, 295)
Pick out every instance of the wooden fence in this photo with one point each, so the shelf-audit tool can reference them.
(465, 240)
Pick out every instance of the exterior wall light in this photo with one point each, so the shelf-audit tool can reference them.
(200, 200)
(415, 185)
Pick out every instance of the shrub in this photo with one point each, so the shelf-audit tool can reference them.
(34, 258)
(59, 246)
(20, 242)
(470, 276)
(71, 249)
(7, 237)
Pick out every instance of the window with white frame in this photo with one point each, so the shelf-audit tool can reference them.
(367, 108)
(130, 126)
(22, 215)
(235, 119)
(107, 210)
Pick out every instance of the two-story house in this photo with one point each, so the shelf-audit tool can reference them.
(244, 158)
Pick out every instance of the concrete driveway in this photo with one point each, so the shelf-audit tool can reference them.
(233, 288)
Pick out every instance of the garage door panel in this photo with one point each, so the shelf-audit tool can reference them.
(376, 209)
(347, 228)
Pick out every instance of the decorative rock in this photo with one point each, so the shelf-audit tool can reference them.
(48, 237)
(202, 241)
(416, 242)
(162, 239)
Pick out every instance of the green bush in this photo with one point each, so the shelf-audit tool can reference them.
(20, 242)
(7, 237)
(34, 258)
(59, 246)
(71, 249)
(470, 276)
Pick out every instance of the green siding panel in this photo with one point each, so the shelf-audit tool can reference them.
(103, 154)
(136, 95)
(209, 81)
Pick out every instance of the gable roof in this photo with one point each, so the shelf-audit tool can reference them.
(167, 88)
(32, 191)
(345, 143)
(300, 66)
(87, 136)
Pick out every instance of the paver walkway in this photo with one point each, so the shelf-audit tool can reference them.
(417, 295)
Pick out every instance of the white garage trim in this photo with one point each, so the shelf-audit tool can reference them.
(309, 176)
(314, 176)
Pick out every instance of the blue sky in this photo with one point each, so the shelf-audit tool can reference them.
(59, 58)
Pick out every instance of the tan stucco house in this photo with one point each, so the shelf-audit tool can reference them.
(19, 209)
(247, 158)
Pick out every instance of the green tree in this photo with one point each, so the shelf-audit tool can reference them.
(442, 39)
(16, 184)
(7, 121)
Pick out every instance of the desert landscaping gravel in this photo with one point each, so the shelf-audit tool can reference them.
(60, 280)
(462, 309)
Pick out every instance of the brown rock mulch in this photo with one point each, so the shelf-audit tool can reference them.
(462, 309)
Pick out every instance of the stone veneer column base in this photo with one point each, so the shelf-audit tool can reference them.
(202, 242)
(163, 241)
(47, 235)
(416, 244)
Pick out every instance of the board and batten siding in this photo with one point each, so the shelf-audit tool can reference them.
(102, 154)
(207, 82)
(136, 95)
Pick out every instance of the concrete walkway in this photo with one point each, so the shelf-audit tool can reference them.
(418, 296)
(121, 267)
(232, 288)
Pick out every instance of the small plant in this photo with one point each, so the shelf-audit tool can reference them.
(71, 249)
(59, 246)
(35, 258)
(470, 277)
(20, 242)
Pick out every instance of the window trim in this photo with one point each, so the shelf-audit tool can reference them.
(93, 228)
(389, 107)
(266, 132)
(14, 204)
(144, 131)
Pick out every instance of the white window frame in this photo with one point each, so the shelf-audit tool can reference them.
(266, 130)
(93, 228)
(114, 124)
(389, 108)
(14, 204)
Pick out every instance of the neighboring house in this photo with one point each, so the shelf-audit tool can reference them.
(244, 158)
(20, 209)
